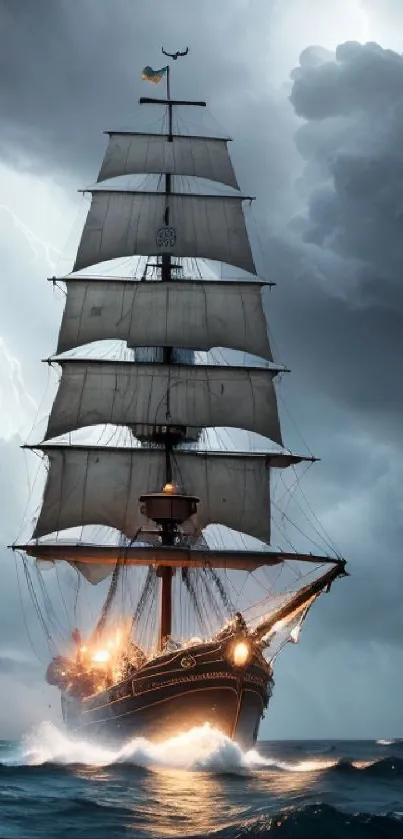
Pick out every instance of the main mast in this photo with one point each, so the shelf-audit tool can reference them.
(168, 527)
(166, 572)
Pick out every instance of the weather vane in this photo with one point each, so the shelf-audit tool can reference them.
(175, 55)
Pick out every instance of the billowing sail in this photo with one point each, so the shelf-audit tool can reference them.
(125, 223)
(97, 485)
(94, 573)
(133, 153)
(123, 393)
(191, 314)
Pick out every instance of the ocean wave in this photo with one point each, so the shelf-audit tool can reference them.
(315, 821)
(201, 748)
(388, 767)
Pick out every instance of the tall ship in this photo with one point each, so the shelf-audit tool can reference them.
(161, 449)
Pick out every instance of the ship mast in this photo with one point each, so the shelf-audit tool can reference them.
(165, 572)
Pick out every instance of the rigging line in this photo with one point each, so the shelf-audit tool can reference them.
(282, 532)
(109, 598)
(208, 603)
(231, 584)
(61, 593)
(298, 478)
(141, 629)
(24, 617)
(225, 597)
(300, 574)
(298, 528)
(290, 416)
(37, 608)
(212, 601)
(31, 488)
(294, 497)
(53, 620)
(284, 595)
(321, 536)
(290, 496)
(193, 596)
(78, 579)
(260, 583)
(146, 591)
(35, 421)
(326, 535)
(273, 582)
(57, 285)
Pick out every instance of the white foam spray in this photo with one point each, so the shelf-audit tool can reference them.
(200, 749)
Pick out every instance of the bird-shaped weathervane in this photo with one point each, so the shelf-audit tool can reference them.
(175, 55)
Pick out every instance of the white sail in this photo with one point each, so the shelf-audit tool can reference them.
(102, 486)
(199, 157)
(127, 223)
(127, 393)
(93, 573)
(184, 314)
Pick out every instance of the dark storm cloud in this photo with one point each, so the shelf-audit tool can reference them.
(70, 71)
(362, 77)
(340, 263)
(353, 184)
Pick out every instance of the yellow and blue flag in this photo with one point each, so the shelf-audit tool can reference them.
(150, 75)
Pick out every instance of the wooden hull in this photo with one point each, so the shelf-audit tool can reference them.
(173, 693)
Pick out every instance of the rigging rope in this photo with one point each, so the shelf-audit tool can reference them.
(145, 594)
(225, 597)
(193, 595)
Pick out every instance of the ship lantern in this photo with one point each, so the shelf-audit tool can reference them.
(240, 653)
(168, 506)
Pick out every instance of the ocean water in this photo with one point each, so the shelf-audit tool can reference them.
(199, 785)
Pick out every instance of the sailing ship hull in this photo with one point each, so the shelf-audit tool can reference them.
(172, 694)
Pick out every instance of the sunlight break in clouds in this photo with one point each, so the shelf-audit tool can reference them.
(296, 25)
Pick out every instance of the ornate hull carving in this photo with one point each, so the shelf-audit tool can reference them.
(173, 693)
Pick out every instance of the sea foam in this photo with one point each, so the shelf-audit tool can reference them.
(201, 748)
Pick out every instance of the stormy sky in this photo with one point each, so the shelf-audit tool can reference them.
(312, 93)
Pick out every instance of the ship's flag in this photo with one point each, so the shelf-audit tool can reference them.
(150, 75)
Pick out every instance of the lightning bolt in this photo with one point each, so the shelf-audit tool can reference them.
(40, 249)
(13, 393)
(21, 406)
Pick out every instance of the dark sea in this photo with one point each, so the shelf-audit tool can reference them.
(199, 785)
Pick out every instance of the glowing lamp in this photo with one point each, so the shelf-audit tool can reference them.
(101, 657)
(241, 653)
(169, 489)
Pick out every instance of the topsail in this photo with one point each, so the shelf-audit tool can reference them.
(199, 157)
(128, 223)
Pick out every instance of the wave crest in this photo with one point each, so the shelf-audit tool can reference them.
(201, 748)
(315, 820)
